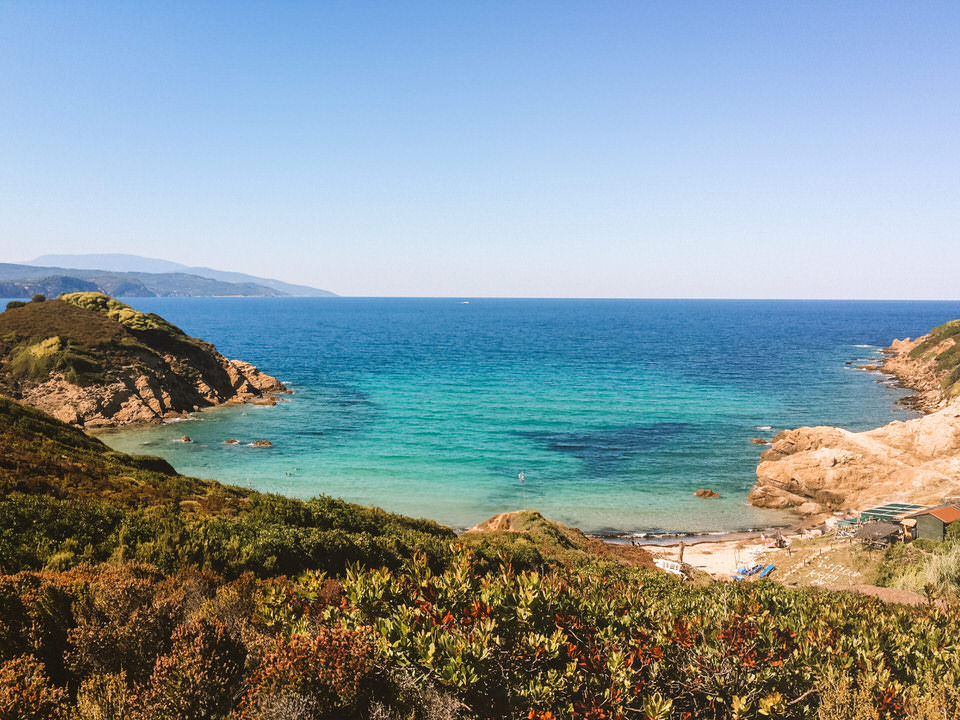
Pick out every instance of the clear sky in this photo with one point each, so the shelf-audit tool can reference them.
(635, 149)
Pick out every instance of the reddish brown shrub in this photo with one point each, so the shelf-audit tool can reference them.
(332, 671)
(199, 678)
(26, 692)
(34, 617)
(124, 619)
(104, 697)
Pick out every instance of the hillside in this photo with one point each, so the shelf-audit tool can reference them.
(121, 262)
(24, 281)
(91, 360)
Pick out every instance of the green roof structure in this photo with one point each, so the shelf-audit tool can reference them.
(890, 511)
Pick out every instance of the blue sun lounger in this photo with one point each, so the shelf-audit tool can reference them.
(744, 573)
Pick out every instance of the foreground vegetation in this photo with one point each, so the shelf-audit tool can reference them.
(127, 641)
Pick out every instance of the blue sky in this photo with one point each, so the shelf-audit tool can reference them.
(598, 149)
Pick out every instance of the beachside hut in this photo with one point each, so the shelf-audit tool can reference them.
(877, 533)
(932, 523)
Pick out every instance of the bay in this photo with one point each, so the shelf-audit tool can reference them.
(615, 411)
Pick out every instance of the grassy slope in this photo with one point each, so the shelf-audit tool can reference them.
(86, 336)
(947, 359)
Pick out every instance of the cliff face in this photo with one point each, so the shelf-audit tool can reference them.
(817, 469)
(90, 360)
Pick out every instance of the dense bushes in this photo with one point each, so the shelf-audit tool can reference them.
(194, 613)
(928, 567)
(624, 643)
(39, 532)
(200, 676)
(331, 674)
(602, 642)
(26, 692)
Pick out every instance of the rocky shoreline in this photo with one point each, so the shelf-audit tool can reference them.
(817, 470)
(94, 362)
(135, 396)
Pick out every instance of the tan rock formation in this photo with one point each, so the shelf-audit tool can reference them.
(817, 469)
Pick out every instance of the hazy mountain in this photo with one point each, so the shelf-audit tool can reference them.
(120, 262)
(19, 281)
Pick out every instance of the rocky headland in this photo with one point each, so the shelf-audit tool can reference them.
(813, 470)
(90, 360)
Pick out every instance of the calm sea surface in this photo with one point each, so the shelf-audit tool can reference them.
(615, 411)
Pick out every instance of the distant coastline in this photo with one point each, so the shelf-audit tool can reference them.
(133, 276)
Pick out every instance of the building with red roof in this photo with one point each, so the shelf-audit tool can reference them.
(932, 523)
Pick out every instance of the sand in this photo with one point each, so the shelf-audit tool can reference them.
(719, 558)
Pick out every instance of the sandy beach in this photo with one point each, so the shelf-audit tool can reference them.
(719, 558)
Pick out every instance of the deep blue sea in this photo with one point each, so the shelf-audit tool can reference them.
(615, 411)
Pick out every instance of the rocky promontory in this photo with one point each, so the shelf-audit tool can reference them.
(818, 469)
(93, 361)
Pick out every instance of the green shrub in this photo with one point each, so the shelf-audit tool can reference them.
(35, 615)
(952, 533)
(38, 298)
(15, 304)
(616, 642)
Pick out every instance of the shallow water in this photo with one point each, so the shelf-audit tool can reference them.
(616, 411)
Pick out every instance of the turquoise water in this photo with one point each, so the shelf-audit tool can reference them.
(615, 411)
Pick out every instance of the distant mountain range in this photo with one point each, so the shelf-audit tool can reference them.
(134, 276)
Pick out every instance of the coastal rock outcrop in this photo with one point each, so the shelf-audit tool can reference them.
(818, 469)
(90, 360)
(706, 493)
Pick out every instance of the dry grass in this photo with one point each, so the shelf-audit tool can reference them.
(827, 562)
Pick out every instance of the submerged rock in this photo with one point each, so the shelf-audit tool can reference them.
(706, 493)
(261, 443)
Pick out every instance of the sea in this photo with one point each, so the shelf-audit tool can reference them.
(603, 414)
